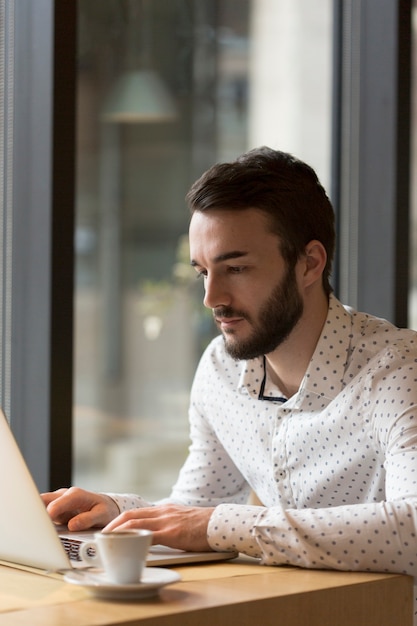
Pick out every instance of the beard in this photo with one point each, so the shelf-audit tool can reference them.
(277, 318)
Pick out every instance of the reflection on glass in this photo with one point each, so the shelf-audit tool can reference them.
(165, 89)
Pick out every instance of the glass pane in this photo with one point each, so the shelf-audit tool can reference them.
(165, 89)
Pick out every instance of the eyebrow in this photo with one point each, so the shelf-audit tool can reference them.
(234, 254)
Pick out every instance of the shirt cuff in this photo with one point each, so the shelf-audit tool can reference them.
(128, 501)
(232, 528)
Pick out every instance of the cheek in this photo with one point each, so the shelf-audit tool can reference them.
(253, 299)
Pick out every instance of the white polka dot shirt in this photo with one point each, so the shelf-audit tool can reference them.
(335, 466)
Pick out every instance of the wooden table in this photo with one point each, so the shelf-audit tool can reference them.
(219, 594)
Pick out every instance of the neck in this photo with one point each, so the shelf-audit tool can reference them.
(287, 364)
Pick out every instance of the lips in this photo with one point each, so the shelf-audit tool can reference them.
(228, 323)
(227, 319)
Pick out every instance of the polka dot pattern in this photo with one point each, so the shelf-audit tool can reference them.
(335, 465)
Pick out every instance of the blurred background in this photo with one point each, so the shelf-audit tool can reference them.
(166, 88)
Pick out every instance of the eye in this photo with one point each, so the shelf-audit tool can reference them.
(201, 274)
(236, 269)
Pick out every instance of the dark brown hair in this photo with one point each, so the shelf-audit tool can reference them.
(280, 185)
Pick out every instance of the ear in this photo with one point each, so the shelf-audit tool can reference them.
(314, 262)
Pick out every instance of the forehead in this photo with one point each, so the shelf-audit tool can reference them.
(217, 232)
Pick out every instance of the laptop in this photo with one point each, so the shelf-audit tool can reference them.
(29, 538)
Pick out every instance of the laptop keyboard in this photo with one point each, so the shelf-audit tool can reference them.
(72, 548)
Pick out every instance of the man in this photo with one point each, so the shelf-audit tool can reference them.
(306, 402)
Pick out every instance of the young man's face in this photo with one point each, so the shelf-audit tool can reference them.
(253, 294)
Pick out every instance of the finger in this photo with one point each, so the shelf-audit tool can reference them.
(51, 496)
(168, 534)
(70, 503)
(147, 517)
(86, 520)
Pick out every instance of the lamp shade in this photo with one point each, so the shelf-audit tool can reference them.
(139, 96)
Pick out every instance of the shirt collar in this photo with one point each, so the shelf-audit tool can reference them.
(325, 374)
(332, 352)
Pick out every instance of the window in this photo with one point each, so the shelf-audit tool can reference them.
(221, 77)
(237, 74)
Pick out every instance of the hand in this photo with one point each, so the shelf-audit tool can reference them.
(173, 525)
(80, 509)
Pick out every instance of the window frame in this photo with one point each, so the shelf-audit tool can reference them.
(37, 278)
(371, 154)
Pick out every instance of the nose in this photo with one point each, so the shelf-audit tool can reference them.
(216, 294)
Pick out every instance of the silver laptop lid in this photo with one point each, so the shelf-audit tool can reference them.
(27, 534)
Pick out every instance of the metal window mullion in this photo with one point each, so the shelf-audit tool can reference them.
(372, 195)
(7, 25)
(349, 158)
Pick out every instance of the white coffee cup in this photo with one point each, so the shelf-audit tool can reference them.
(122, 554)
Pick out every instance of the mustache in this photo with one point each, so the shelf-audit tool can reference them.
(228, 312)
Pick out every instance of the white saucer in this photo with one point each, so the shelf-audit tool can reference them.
(153, 579)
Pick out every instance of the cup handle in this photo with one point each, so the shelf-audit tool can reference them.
(88, 553)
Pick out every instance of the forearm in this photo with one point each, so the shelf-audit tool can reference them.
(376, 537)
